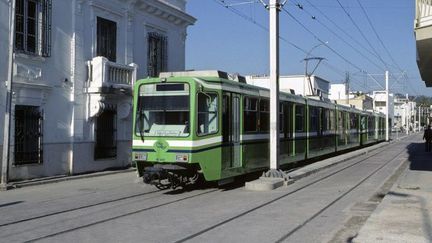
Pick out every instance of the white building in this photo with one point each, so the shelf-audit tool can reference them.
(298, 84)
(379, 104)
(74, 68)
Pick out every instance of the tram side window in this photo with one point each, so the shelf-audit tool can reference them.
(314, 119)
(332, 120)
(325, 115)
(281, 117)
(288, 119)
(341, 121)
(250, 114)
(299, 118)
(207, 113)
(371, 123)
(264, 116)
(353, 121)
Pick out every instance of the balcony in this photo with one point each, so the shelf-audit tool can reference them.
(107, 77)
(423, 32)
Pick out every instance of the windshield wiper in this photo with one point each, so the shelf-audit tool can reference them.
(140, 124)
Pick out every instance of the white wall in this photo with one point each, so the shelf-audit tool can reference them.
(57, 83)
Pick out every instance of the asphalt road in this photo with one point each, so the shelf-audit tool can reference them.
(328, 206)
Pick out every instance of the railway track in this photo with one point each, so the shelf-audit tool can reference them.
(158, 200)
(291, 193)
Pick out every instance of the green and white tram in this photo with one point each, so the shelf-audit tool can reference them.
(200, 123)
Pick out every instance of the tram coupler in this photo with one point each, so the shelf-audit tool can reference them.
(154, 175)
(165, 176)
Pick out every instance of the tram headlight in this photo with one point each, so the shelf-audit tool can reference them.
(140, 156)
(182, 158)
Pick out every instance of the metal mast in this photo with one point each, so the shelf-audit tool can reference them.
(7, 118)
(274, 7)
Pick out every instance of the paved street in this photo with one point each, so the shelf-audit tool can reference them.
(328, 206)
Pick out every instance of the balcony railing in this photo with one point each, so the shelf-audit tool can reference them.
(423, 13)
(107, 77)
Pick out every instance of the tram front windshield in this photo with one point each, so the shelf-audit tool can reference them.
(163, 110)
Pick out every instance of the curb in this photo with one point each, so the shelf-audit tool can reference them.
(61, 178)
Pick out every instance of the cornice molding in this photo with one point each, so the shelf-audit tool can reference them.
(166, 12)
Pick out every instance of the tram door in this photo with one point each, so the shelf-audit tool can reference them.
(231, 150)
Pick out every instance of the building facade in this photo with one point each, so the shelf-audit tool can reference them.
(379, 104)
(340, 94)
(423, 34)
(73, 72)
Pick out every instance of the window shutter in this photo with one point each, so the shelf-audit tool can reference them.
(46, 28)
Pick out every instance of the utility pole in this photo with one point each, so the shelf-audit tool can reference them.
(408, 116)
(347, 80)
(7, 119)
(419, 114)
(387, 105)
(274, 8)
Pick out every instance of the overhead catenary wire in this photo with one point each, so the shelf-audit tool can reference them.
(378, 36)
(314, 18)
(362, 34)
(321, 41)
(342, 30)
(253, 21)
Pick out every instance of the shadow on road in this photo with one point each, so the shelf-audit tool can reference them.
(418, 158)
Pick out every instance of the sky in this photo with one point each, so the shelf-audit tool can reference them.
(236, 39)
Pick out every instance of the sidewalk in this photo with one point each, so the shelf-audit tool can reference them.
(56, 179)
(405, 213)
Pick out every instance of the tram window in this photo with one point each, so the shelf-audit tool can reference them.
(299, 118)
(207, 113)
(281, 117)
(353, 121)
(314, 119)
(264, 116)
(341, 121)
(332, 120)
(325, 119)
(250, 114)
(371, 123)
(288, 119)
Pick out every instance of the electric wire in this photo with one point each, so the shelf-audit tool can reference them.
(321, 41)
(253, 21)
(377, 35)
(363, 35)
(338, 36)
(341, 29)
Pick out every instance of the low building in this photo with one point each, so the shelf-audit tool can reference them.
(298, 84)
(338, 93)
(73, 73)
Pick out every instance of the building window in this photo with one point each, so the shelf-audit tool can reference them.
(157, 54)
(380, 103)
(106, 45)
(106, 131)
(33, 27)
(28, 135)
